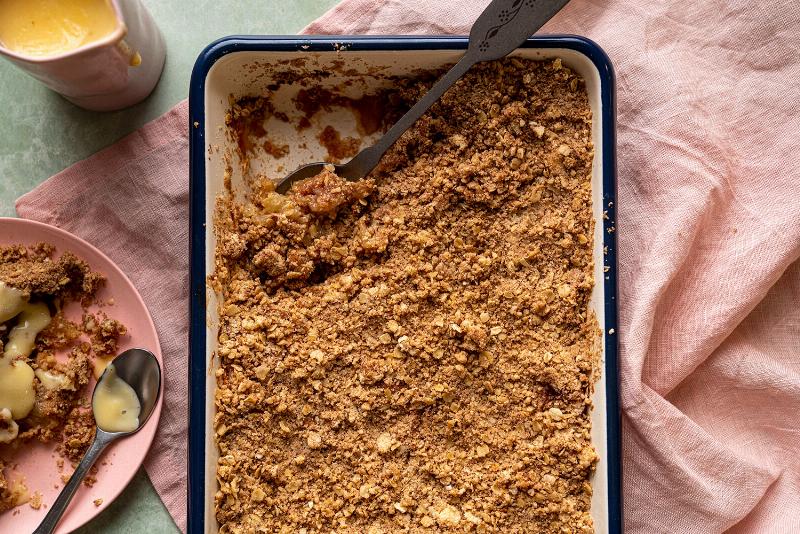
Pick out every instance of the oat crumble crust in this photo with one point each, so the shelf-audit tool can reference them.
(59, 415)
(415, 352)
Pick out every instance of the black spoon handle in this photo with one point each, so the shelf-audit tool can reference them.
(505, 24)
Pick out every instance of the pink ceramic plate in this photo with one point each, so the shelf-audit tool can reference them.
(37, 462)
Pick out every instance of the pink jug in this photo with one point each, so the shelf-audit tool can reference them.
(114, 72)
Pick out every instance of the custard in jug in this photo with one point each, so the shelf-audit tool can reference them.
(41, 28)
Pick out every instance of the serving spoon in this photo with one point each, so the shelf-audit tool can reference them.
(140, 369)
(502, 27)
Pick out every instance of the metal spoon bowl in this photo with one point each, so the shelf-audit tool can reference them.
(500, 29)
(141, 370)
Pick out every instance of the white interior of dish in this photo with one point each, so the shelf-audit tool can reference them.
(249, 73)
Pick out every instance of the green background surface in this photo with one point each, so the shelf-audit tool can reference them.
(41, 134)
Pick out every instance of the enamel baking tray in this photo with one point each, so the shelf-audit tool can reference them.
(250, 66)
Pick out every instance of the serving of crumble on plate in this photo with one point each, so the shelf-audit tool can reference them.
(66, 312)
(34, 288)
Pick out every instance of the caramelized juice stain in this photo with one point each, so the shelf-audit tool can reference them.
(373, 112)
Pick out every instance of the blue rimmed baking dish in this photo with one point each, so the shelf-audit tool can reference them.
(254, 65)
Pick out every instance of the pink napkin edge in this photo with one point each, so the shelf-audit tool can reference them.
(31, 205)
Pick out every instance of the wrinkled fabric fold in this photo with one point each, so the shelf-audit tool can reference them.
(709, 241)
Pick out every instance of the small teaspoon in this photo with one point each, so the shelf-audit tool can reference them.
(140, 369)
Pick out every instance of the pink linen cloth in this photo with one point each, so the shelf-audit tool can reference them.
(709, 241)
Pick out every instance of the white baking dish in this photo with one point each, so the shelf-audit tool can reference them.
(251, 66)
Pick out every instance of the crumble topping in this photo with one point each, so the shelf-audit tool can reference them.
(33, 270)
(415, 352)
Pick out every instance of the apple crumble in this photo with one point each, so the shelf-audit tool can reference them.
(415, 352)
(42, 392)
